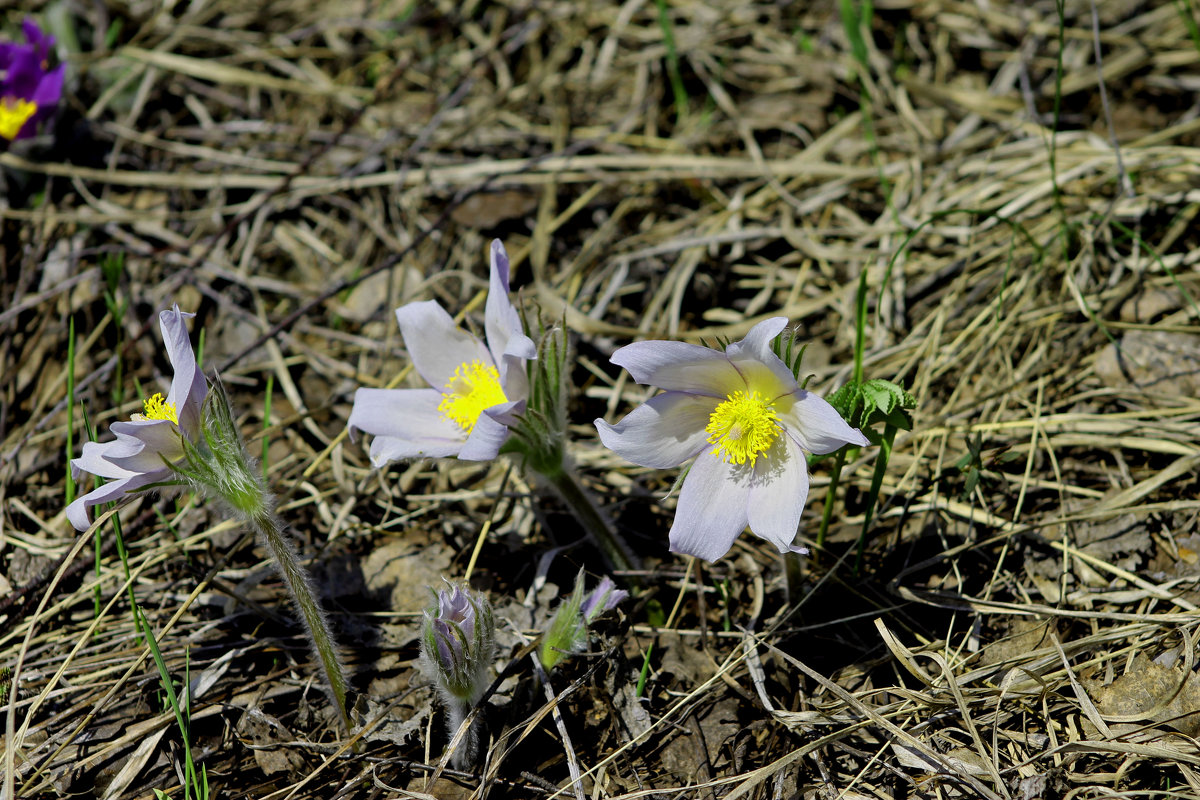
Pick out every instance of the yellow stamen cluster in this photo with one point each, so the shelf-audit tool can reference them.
(473, 388)
(743, 427)
(158, 408)
(14, 113)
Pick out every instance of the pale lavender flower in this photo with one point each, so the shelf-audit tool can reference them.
(747, 423)
(148, 444)
(191, 439)
(479, 389)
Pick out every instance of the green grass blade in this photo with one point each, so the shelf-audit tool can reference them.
(70, 490)
(673, 73)
(266, 442)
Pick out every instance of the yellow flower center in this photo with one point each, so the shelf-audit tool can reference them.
(158, 408)
(14, 113)
(743, 427)
(473, 388)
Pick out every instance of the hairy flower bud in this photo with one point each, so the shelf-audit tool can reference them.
(603, 598)
(567, 632)
(458, 642)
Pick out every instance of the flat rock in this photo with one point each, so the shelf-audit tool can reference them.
(1163, 362)
(404, 574)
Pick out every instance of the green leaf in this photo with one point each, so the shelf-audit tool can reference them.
(784, 346)
(885, 396)
(656, 615)
(844, 400)
(972, 481)
(874, 401)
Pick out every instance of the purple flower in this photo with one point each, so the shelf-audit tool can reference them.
(151, 441)
(29, 90)
(603, 598)
(747, 423)
(453, 625)
(479, 390)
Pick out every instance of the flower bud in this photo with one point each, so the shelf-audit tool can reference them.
(567, 632)
(603, 598)
(458, 643)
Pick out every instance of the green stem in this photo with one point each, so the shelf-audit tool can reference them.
(834, 479)
(270, 529)
(70, 487)
(620, 558)
(885, 452)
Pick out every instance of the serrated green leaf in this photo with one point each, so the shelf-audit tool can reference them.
(844, 400)
(899, 419)
(885, 396)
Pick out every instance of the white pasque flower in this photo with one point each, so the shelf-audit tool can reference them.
(747, 423)
(151, 441)
(479, 390)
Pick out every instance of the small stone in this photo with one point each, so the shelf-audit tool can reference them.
(1148, 305)
(1162, 362)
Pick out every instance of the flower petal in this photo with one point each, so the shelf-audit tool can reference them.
(680, 367)
(507, 414)
(48, 92)
(513, 378)
(757, 342)
(665, 431)
(711, 513)
(502, 324)
(188, 387)
(817, 426)
(142, 446)
(486, 439)
(42, 42)
(762, 370)
(77, 511)
(386, 449)
(435, 344)
(406, 423)
(778, 494)
(127, 454)
(603, 598)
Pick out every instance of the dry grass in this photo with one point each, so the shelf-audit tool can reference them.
(293, 172)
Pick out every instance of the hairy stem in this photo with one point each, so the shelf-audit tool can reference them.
(466, 754)
(270, 529)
